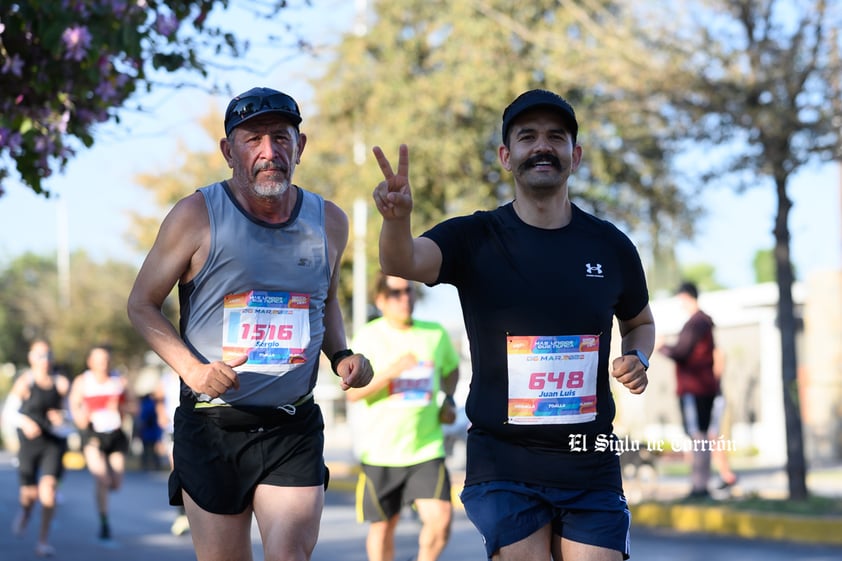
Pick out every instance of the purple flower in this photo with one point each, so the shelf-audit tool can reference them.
(106, 92)
(10, 140)
(44, 144)
(77, 39)
(166, 25)
(120, 7)
(13, 65)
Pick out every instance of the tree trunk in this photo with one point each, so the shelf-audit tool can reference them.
(795, 465)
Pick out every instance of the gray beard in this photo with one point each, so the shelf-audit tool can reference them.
(271, 190)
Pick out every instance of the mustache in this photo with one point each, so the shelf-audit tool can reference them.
(269, 166)
(533, 161)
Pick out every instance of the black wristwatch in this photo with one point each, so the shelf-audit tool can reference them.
(337, 358)
(640, 356)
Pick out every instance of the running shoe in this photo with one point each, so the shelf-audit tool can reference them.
(104, 532)
(180, 526)
(19, 524)
(44, 550)
(723, 485)
(697, 495)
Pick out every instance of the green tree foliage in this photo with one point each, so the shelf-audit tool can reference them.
(764, 101)
(93, 313)
(764, 265)
(703, 275)
(66, 65)
(189, 171)
(436, 75)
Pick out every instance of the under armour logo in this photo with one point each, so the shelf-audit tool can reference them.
(593, 270)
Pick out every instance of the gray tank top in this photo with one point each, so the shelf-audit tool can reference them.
(262, 291)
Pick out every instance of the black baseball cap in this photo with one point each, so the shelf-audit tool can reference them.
(259, 101)
(540, 98)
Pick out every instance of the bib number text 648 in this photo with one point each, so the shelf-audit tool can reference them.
(562, 380)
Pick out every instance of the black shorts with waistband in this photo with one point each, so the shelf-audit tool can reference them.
(221, 454)
(112, 442)
(383, 490)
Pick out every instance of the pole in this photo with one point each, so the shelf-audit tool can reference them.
(360, 301)
(62, 254)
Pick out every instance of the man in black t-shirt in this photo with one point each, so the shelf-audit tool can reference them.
(540, 282)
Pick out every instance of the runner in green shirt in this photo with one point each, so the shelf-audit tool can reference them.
(400, 416)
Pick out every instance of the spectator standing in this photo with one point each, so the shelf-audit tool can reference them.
(696, 384)
(150, 432)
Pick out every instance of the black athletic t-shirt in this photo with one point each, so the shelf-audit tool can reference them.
(515, 279)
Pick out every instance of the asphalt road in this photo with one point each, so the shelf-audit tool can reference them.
(141, 520)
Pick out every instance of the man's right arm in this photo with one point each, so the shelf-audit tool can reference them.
(178, 253)
(417, 259)
(168, 261)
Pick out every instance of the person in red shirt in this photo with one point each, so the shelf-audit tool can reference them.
(100, 400)
(696, 383)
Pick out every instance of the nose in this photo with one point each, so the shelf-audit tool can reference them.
(543, 144)
(267, 147)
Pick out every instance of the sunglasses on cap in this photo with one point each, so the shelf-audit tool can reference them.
(398, 292)
(243, 108)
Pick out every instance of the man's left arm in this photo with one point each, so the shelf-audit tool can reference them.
(448, 383)
(638, 333)
(447, 412)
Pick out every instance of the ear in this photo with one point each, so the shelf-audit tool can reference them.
(577, 157)
(302, 140)
(503, 154)
(379, 302)
(225, 148)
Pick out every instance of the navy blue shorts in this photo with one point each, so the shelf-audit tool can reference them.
(506, 512)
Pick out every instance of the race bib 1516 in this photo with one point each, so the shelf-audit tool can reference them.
(273, 328)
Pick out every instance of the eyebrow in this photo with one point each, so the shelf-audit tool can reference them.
(522, 130)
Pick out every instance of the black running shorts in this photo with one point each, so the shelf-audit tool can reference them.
(107, 442)
(40, 456)
(383, 490)
(221, 454)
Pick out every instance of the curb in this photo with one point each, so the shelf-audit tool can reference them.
(705, 519)
(746, 524)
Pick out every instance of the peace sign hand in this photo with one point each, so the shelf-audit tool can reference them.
(393, 196)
